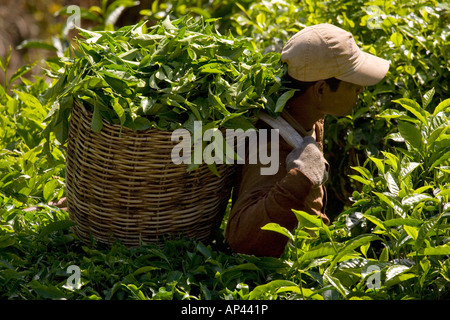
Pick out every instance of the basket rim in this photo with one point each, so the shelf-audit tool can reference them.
(114, 126)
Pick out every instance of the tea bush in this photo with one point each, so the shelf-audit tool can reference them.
(398, 221)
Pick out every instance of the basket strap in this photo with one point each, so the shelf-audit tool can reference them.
(292, 137)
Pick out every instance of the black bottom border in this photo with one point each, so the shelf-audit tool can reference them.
(222, 309)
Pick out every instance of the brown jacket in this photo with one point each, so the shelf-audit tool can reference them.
(259, 199)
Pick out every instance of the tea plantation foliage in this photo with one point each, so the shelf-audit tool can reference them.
(389, 188)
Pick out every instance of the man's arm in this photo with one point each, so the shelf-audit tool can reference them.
(264, 199)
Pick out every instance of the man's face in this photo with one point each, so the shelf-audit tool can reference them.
(340, 102)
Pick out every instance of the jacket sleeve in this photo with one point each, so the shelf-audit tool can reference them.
(264, 199)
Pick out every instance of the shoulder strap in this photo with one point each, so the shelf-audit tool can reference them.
(292, 137)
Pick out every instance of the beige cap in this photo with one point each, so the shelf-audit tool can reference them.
(325, 51)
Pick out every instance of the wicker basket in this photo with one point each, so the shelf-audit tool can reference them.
(122, 184)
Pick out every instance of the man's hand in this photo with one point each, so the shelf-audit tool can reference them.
(309, 160)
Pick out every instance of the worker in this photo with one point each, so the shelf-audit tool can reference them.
(328, 71)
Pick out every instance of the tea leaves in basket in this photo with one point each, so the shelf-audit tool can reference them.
(166, 74)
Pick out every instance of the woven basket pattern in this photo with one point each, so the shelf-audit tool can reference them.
(122, 184)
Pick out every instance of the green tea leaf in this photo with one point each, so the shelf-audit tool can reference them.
(397, 39)
(414, 108)
(413, 199)
(436, 251)
(351, 245)
(423, 232)
(384, 256)
(375, 221)
(135, 291)
(426, 98)
(411, 134)
(211, 68)
(441, 160)
(321, 250)
(55, 226)
(311, 221)
(275, 227)
(360, 179)
(402, 222)
(432, 251)
(20, 72)
(49, 189)
(6, 241)
(167, 24)
(97, 122)
(304, 292)
(444, 192)
(435, 134)
(141, 123)
(145, 269)
(396, 270)
(406, 169)
(285, 97)
(391, 202)
(378, 163)
(412, 231)
(442, 106)
(119, 111)
(399, 278)
(336, 283)
(393, 160)
(47, 292)
(30, 100)
(271, 287)
(364, 172)
(391, 183)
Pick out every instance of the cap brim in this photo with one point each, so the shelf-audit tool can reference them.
(368, 71)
